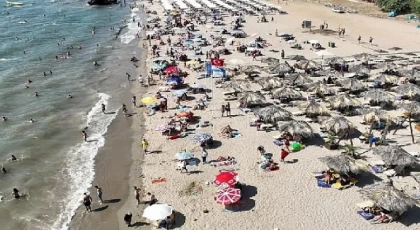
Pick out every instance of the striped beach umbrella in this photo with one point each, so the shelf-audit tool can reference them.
(228, 196)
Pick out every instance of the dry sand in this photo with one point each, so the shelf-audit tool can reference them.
(284, 199)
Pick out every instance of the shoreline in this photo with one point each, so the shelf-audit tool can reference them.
(114, 171)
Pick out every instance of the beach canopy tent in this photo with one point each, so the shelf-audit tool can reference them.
(166, 5)
(181, 4)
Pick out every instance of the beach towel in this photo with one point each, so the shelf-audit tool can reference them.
(159, 180)
(366, 215)
(323, 184)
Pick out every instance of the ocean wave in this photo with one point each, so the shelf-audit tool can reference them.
(132, 27)
(7, 59)
(81, 160)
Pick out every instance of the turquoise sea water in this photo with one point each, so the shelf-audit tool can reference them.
(55, 166)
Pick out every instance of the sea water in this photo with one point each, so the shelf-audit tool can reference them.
(55, 165)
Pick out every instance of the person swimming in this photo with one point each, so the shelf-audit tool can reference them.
(45, 74)
(70, 96)
(36, 94)
(4, 118)
(95, 63)
(50, 72)
(29, 81)
(15, 193)
(13, 158)
(31, 120)
(3, 169)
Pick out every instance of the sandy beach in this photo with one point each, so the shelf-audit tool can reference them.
(284, 199)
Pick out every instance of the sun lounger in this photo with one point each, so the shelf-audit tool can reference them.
(230, 98)
(298, 113)
(265, 127)
(245, 110)
(366, 215)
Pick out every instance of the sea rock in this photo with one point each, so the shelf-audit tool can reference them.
(102, 2)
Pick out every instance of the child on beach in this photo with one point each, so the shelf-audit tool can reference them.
(204, 153)
(99, 194)
(144, 145)
(283, 155)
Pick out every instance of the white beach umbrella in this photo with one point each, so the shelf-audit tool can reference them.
(157, 211)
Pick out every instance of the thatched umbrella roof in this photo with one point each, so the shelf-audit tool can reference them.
(270, 60)
(412, 107)
(337, 125)
(386, 196)
(341, 164)
(372, 114)
(313, 108)
(319, 88)
(298, 79)
(352, 84)
(378, 95)
(409, 90)
(270, 82)
(308, 64)
(335, 60)
(384, 78)
(280, 68)
(343, 101)
(250, 69)
(296, 128)
(331, 74)
(252, 99)
(394, 155)
(273, 114)
(388, 66)
(237, 85)
(364, 57)
(360, 70)
(286, 92)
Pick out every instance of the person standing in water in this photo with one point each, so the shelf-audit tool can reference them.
(99, 194)
(85, 136)
(103, 108)
(87, 201)
(13, 158)
(15, 193)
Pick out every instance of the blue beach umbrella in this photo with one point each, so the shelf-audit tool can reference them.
(177, 80)
(184, 156)
(201, 137)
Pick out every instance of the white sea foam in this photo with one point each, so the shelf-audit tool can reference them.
(81, 159)
(7, 59)
(132, 27)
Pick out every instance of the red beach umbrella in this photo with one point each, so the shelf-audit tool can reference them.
(226, 178)
(228, 196)
(171, 69)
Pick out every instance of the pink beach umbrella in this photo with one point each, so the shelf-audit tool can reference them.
(171, 69)
(228, 196)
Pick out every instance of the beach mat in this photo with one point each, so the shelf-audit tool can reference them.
(366, 215)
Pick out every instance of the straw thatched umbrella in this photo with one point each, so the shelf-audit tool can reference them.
(335, 60)
(341, 164)
(270, 60)
(394, 155)
(237, 85)
(250, 69)
(388, 67)
(273, 114)
(308, 64)
(409, 90)
(412, 109)
(281, 68)
(337, 125)
(296, 128)
(313, 108)
(320, 88)
(352, 84)
(286, 93)
(384, 78)
(342, 101)
(298, 79)
(270, 82)
(360, 70)
(252, 99)
(364, 57)
(378, 95)
(384, 195)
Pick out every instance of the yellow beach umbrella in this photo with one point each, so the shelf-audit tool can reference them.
(149, 100)
(193, 63)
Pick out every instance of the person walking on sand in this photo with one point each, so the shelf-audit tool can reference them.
(204, 153)
(128, 76)
(359, 39)
(134, 99)
(87, 201)
(184, 166)
(99, 194)
(227, 108)
(137, 194)
(144, 145)
(370, 40)
(223, 109)
(85, 136)
(283, 155)
(127, 219)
